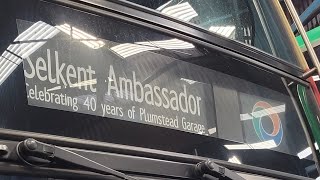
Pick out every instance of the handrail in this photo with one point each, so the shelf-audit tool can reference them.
(303, 33)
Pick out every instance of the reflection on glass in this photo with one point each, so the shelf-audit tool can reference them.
(24, 45)
(307, 152)
(188, 80)
(84, 83)
(35, 37)
(203, 101)
(84, 37)
(235, 160)
(258, 23)
(263, 112)
(212, 130)
(265, 120)
(182, 11)
(260, 145)
(53, 89)
(226, 18)
(227, 31)
(128, 49)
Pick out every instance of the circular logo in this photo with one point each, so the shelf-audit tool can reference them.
(260, 110)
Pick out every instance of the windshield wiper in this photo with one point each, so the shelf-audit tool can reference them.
(211, 171)
(36, 153)
(32, 148)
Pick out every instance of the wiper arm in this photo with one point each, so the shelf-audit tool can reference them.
(32, 148)
(211, 171)
(33, 152)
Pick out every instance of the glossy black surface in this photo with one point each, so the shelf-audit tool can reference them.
(231, 77)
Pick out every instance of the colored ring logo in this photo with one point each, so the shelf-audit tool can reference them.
(261, 109)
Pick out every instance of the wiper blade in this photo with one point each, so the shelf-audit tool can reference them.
(211, 171)
(33, 148)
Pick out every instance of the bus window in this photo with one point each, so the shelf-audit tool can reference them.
(72, 73)
(257, 23)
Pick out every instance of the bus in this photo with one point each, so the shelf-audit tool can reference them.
(153, 89)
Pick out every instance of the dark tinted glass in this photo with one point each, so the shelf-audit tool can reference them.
(70, 73)
(19, 178)
(258, 23)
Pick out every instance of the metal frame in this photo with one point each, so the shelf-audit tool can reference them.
(307, 74)
(304, 125)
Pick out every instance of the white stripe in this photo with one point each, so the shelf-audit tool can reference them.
(212, 130)
(264, 112)
(54, 88)
(9, 68)
(260, 145)
(78, 34)
(164, 5)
